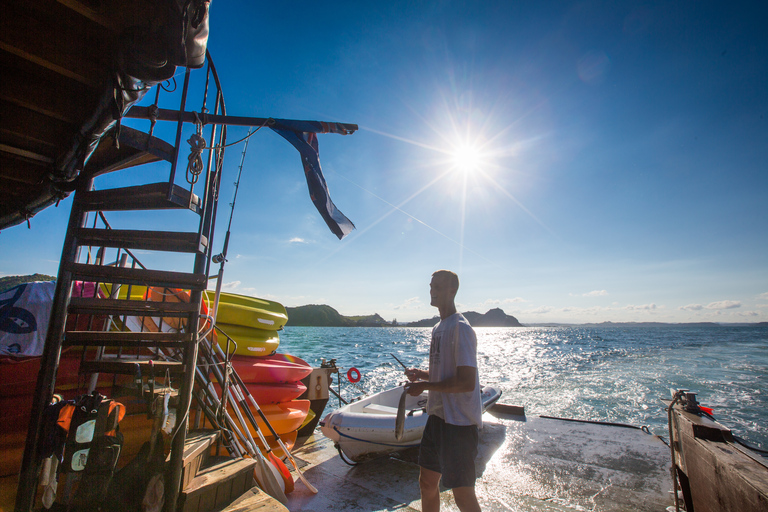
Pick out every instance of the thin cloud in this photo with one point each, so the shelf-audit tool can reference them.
(724, 304)
(692, 307)
(641, 307)
(297, 240)
(497, 302)
(412, 303)
(763, 296)
(595, 293)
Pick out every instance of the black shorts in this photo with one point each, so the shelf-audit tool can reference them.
(449, 450)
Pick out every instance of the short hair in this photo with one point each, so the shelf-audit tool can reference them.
(451, 278)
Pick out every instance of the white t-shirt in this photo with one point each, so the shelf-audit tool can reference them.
(454, 344)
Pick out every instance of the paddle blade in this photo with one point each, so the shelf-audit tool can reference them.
(268, 479)
(283, 471)
(400, 420)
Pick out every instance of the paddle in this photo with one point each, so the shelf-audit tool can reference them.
(243, 388)
(235, 395)
(270, 478)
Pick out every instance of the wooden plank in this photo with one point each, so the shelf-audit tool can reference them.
(23, 170)
(128, 366)
(171, 241)
(148, 197)
(217, 485)
(52, 99)
(79, 51)
(127, 339)
(120, 307)
(721, 477)
(195, 453)
(28, 125)
(255, 500)
(137, 276)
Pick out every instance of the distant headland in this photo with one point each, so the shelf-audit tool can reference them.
(321, 315)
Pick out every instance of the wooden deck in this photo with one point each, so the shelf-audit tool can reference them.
(525, 463)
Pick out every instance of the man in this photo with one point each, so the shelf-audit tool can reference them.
(449, 445)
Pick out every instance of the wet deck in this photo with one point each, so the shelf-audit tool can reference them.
(525, 463)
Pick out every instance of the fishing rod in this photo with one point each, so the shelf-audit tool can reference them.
(399, 361)
(221, 258)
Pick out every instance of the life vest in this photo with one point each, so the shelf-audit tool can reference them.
(91, 447)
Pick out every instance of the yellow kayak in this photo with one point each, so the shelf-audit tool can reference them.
(250, 341)
(248, 311)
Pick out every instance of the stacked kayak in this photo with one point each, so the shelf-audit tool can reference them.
(251, 322)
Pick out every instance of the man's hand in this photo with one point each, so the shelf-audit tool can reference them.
(416, 388)
(415, 374)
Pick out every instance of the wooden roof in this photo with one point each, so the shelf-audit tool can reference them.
(57, 59)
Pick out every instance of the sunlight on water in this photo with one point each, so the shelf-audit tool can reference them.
(615, 374)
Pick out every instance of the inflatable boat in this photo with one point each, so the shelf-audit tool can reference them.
(366, 429)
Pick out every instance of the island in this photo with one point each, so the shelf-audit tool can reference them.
(321, 315)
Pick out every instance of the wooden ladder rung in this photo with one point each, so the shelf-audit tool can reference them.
(127, 339)
(137, 276)
(128, 366)
(153, 196)
(170, 241)
(126, 307)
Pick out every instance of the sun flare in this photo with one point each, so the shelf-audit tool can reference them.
(467, 158)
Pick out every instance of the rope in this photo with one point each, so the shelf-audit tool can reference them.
(375, 442)
(197, 146)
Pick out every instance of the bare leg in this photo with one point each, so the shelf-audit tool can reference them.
(430, 491)
(465, 498)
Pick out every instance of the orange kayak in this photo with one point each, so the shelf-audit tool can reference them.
(284, 417)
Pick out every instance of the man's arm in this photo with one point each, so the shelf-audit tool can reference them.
(462, 382)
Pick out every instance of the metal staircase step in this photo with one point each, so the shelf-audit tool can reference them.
(125, 307)
(217, 485)
(196, 450)
(127, 339)
(125, 366)
(154, 196)
(137, 276)
(148, 240)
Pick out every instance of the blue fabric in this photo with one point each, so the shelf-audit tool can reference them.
(302, 134)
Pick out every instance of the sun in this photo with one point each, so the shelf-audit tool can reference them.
(467, 157)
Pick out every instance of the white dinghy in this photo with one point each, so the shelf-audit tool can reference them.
(365, 429)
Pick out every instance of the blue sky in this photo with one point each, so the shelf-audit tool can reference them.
(619, 166)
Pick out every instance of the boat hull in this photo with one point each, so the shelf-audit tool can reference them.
(250, 341)
(366, 429)
(248, 311)
(277, 368)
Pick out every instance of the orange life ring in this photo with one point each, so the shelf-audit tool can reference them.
(353, 375)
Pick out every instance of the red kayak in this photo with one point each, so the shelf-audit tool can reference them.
(272, 392)
(277, 368)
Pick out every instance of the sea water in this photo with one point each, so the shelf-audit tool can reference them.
(603, 373)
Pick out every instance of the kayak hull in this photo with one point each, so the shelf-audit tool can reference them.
(273, 392)
(366, 429)
(250, 341)
(284, 417)
(248, 311)
(277, 368)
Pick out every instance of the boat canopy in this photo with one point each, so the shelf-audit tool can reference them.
(71, 70)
